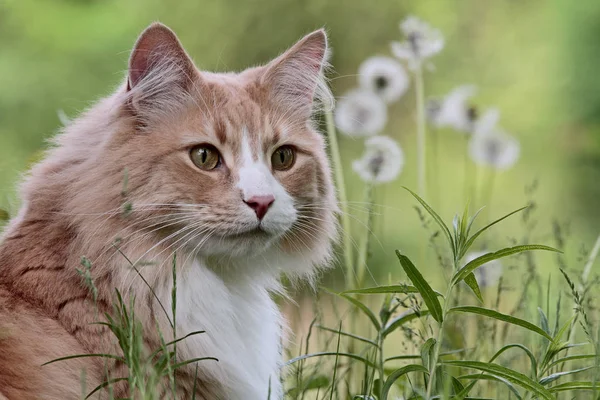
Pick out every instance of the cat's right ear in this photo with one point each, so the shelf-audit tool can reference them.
(160, 71)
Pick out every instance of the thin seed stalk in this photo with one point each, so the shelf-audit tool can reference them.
(421, 143)
(343, 199)
(363, 248)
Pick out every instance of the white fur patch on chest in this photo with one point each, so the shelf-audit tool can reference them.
(243, 331)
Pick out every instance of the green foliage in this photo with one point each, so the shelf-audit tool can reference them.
(436, 372)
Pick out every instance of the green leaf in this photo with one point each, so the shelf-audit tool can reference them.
(479, 261)
(577, 385)
(436, 218)
(404, 289)
(397, 374)
(470, 241)
(361, 306)
(478, 377)
(331, 353)
(544, 321)
(428, 294)
(571, 358)
(471, 281)
(514, 377)
(4, 215)
(426, 352)
(347, 334)
(551, 378)
(531, 356)
(501, 317)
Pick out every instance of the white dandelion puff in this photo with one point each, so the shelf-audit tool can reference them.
(360, 112)
(487, 122)
(495, 149)
(489, 273)
(384, 76)
(381, 162)
(454, 110)
(421, 42)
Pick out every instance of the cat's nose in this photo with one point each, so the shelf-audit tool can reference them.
(260, 204)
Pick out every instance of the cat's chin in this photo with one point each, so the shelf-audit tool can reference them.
(244, 244)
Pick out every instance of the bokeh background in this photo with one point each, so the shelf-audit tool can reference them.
(536, 60)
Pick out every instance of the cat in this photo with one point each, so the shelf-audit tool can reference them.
(222, 174)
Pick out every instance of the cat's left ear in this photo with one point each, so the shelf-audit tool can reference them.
(296, 79)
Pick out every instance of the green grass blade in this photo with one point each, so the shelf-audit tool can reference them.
(84, 355)
(436, 218)
(103, 385)
(479, 261)
(514, 377)
(428, 294)
(502, 317)
(472, 239)
(330, 353)
(193, 360)
(397, 374)
(528, 352)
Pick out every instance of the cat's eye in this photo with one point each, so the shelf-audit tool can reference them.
(283, 158)
(205, 157)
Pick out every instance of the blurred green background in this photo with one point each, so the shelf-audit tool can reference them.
(536, 60)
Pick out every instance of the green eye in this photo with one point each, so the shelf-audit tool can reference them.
(283, 158)
(205, 157)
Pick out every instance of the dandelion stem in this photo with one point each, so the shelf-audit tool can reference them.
(436, 167)
(469, 187)
(341, 189)
(488, 195)
(421, 145)
(363, 248)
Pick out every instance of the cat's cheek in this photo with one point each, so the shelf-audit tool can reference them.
(301, 181)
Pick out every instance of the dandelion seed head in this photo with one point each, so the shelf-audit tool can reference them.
(496, 149)
(489, 273)
(384, 76)
(360, 112)
(381, 162)
(421, 42)
(487, 122)
(454, 110)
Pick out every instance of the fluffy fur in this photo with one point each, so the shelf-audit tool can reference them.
(119, 188)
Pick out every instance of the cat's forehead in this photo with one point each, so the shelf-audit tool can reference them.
(235, 113)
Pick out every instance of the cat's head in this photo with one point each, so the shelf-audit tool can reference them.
(228, 164)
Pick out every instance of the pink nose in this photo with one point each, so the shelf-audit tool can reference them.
(260, 204)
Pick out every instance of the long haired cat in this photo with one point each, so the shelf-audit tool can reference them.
(222, 174)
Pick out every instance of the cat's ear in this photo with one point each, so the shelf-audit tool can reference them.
(159, 54)
(296, 78)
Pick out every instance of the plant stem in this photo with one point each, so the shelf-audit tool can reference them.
(421, 145)
(438, 340)
(363, 248)
(343, 200)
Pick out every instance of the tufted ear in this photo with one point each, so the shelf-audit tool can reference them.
(160, 75)
(295, 78)
(158, 50)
